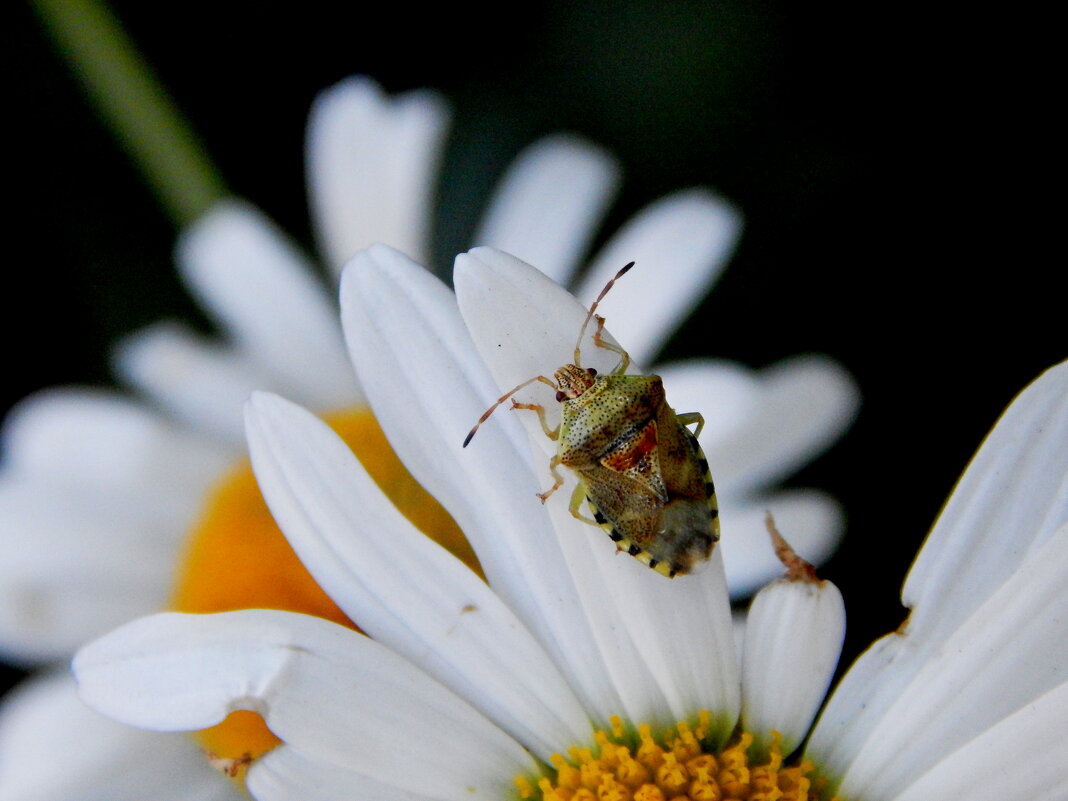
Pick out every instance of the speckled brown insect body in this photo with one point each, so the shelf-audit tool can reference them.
(639, 468)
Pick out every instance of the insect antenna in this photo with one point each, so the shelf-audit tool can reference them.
(502, 399)
(593, 308)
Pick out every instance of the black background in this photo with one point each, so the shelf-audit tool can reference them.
(893, 166)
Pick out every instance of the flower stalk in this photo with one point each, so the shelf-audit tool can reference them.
(135, 106)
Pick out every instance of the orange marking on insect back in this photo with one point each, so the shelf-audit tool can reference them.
(638, 454)
(237, 558)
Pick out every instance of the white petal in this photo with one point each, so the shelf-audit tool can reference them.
(1009, 501)
(1024, 454)
(844, 723)
(75, 564)
(53, 748)
(266, 294)
(285, 774)
(811, 520)
(592, 563)
(322, 688)
(1020, 757)
(105, 443)
(680, 244)
(402, 588)
(1007, 654)
(738, 618)
(95, 497)
(681, 629)
(427, 386)
(371, 162)
(546, 208)
(793, 638)
(650, 640)
(804, 404)
(200, 382)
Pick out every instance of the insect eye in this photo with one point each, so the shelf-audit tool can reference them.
(592, 371)
(560, 396)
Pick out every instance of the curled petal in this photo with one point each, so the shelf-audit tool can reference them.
(323, 689)
(402, 588)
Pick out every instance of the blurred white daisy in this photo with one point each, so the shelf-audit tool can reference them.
(575, 673)
(99, 492)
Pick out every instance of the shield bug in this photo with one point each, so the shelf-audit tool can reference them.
(640, 469)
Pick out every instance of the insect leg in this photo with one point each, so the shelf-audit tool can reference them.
(551, 433)
(502, 399)
(558, 480)
(686, 418)
(599, 341)
(577, 497)
(593, 308)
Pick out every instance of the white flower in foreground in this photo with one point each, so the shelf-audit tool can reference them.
(99, 492)
(467, 686)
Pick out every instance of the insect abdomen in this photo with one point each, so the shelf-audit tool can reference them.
(670, 537)
(624, 543)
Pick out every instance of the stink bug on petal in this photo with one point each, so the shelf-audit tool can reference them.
(639, 468)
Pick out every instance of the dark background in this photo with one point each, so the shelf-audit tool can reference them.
(892, 165)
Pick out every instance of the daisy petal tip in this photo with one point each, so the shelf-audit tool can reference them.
(272, 418)
(355, 97)
(129, 353)
(549, 203)
(838, 388)
(698, 212)
(352, 88)
(377, 257)
(262, 403)
(573, 147)
(488, 259)
(116, 675)
(228, 221)
(717, 210)
(585, 163)
(497, 270)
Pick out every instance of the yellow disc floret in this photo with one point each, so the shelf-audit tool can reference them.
(237, 558)
(674, 764)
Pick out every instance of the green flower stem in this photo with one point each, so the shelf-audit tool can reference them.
(140, 113)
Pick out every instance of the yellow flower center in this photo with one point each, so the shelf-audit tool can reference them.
(237, 558)
(680, 764)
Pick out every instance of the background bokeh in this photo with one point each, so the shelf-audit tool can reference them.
(893, 166)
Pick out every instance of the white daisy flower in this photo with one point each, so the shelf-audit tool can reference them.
(105, 497)
(575, 673)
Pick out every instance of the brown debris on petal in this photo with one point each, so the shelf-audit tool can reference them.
(797, 569)
(233, 767)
